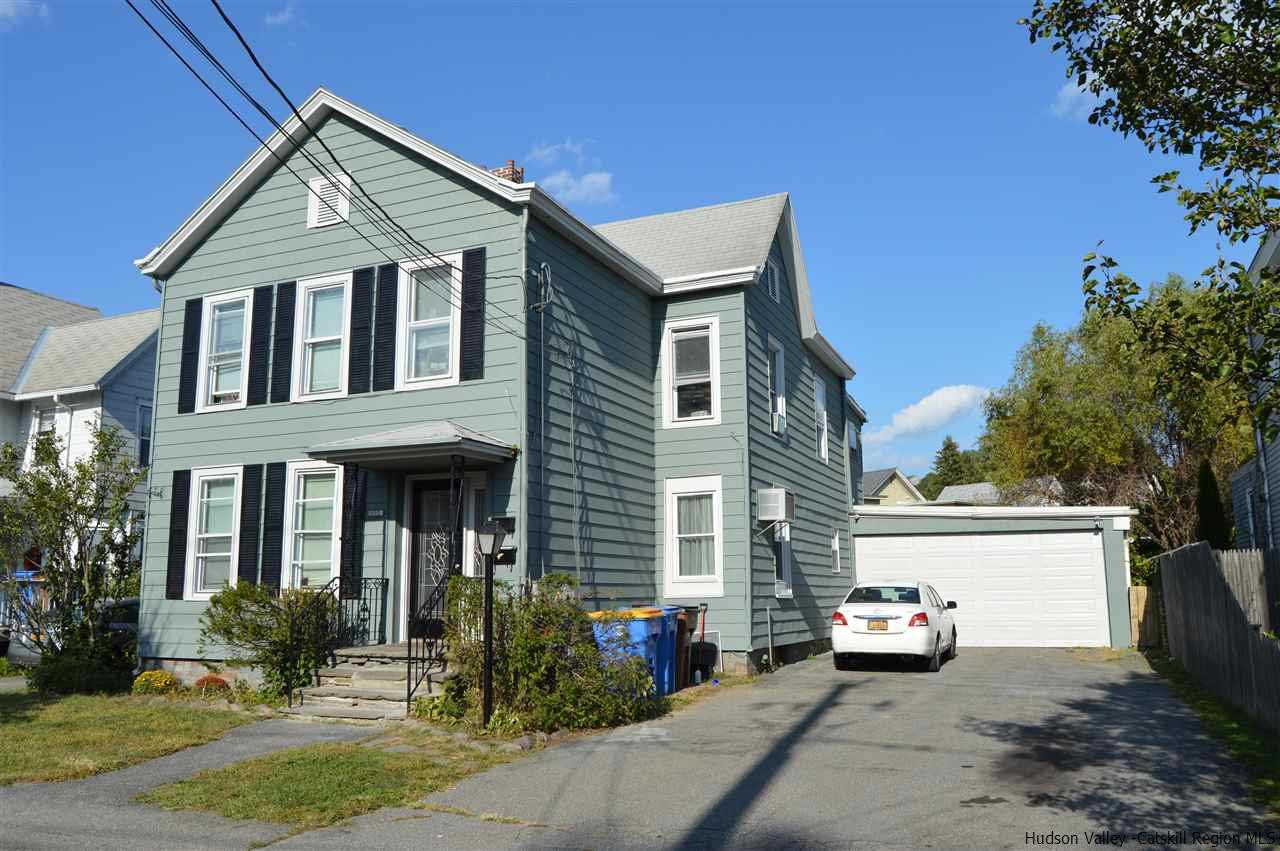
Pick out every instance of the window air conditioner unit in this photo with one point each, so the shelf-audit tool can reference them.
(775, 505)
(779, 423)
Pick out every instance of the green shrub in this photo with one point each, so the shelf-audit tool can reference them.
(549, 673)
(8, 669)
(156, 682)
(286, 635)
(81, 669)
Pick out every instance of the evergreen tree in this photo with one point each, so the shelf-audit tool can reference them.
(1212, 524)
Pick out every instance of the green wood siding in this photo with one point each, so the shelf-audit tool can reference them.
(791, 461)
(710, 450)
(593, 515)
(265, 241)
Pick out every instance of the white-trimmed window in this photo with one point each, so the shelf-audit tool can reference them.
(328, 201)
(821, 420)
(691, 372)
(781, 546)
(773, 280)
(144, 435)
(835, 550)
(46, 420)
(694, 523)
(313, 495)
(213, 531)
(777, 377)
(320, 338)
(430, 315)
(224, 333)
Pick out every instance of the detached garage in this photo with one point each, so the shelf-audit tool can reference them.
(1021, 577)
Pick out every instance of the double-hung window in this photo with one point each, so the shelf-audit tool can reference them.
(821, 419)
(691, 372)
(777, 368)
(144, 435)
(314, 498)
(225, 332)
(213, 543)
(431, 313)
(321, 336)
(695, 537)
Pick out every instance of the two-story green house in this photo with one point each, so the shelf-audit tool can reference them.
(368, 351)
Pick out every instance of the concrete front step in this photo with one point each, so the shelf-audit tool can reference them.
(332, 712)
(364, 673)
(354, 693)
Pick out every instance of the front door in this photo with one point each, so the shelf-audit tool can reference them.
(431, 534)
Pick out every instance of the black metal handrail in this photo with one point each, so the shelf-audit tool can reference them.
(362, 617)
(426, 639)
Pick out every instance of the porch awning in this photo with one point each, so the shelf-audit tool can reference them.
(414, 446)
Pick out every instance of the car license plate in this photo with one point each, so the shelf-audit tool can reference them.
(878, 626)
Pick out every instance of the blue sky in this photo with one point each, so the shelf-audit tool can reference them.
(944, 179)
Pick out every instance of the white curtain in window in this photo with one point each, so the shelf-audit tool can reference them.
(695, 532)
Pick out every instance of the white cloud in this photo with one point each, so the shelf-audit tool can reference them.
(14, 12)
(284, 16)
(594, 187)
(930, 413)
(1074, 102)
(548, 153)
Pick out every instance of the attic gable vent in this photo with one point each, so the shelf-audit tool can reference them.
(328, 202)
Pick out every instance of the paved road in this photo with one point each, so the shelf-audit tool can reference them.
(999, 744)
(99, 812)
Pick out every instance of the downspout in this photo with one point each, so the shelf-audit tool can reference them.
(1261, 461)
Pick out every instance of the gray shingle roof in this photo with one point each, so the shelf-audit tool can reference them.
(82, 354)
(23, 315)
(977, 493)
(873, 480)
(701, 240)
(436, 437)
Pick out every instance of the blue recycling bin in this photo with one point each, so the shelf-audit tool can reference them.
(664, 670)
(639, 632)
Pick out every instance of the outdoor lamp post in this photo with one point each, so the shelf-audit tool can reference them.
(489, 540)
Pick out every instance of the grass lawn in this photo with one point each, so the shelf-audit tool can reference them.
(1249, 743)
(68, 737)
(319, 785)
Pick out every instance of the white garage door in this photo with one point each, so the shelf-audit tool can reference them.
(1014, 590)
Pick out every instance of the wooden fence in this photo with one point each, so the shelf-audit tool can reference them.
(1217, 606)
(1146, 627)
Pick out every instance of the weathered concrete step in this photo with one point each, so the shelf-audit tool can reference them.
(354, 692)
(390, 673)
(332, 712)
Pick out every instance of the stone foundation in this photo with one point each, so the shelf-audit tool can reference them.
(190, 670)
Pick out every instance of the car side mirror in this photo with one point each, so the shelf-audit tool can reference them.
(951, 604)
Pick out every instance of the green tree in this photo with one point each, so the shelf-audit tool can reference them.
(77, 517)
(951, 466)
(1084, 406)
(1212, 524)
(1195, 78)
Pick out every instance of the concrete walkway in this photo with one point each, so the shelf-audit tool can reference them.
(12, 684)
(1000, 744)
(99, 812)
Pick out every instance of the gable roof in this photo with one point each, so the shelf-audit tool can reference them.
(81, 356)
(975, 493)
(725, 238)
(24, 314)
(755, 218)
(874, 481)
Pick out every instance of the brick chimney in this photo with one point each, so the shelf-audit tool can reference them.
(509, 172)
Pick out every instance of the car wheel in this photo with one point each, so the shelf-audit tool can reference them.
(841, 661)
(934, 663)
(951, 651)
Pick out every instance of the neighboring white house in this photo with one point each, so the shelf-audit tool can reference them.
(65, 368)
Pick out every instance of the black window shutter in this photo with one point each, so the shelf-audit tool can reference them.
(472, 332)
(361, 329)
(250, 511)
(384, 328)
(190, 355)
(179, 510)
(273, 526)
(282, 354)
(259, 345)
(352, 550)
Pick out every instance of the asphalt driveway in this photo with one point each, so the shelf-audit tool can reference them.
(1000, 744)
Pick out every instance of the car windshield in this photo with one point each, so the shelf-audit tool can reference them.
(885, 594)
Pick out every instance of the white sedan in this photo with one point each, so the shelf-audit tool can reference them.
(905, 618)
